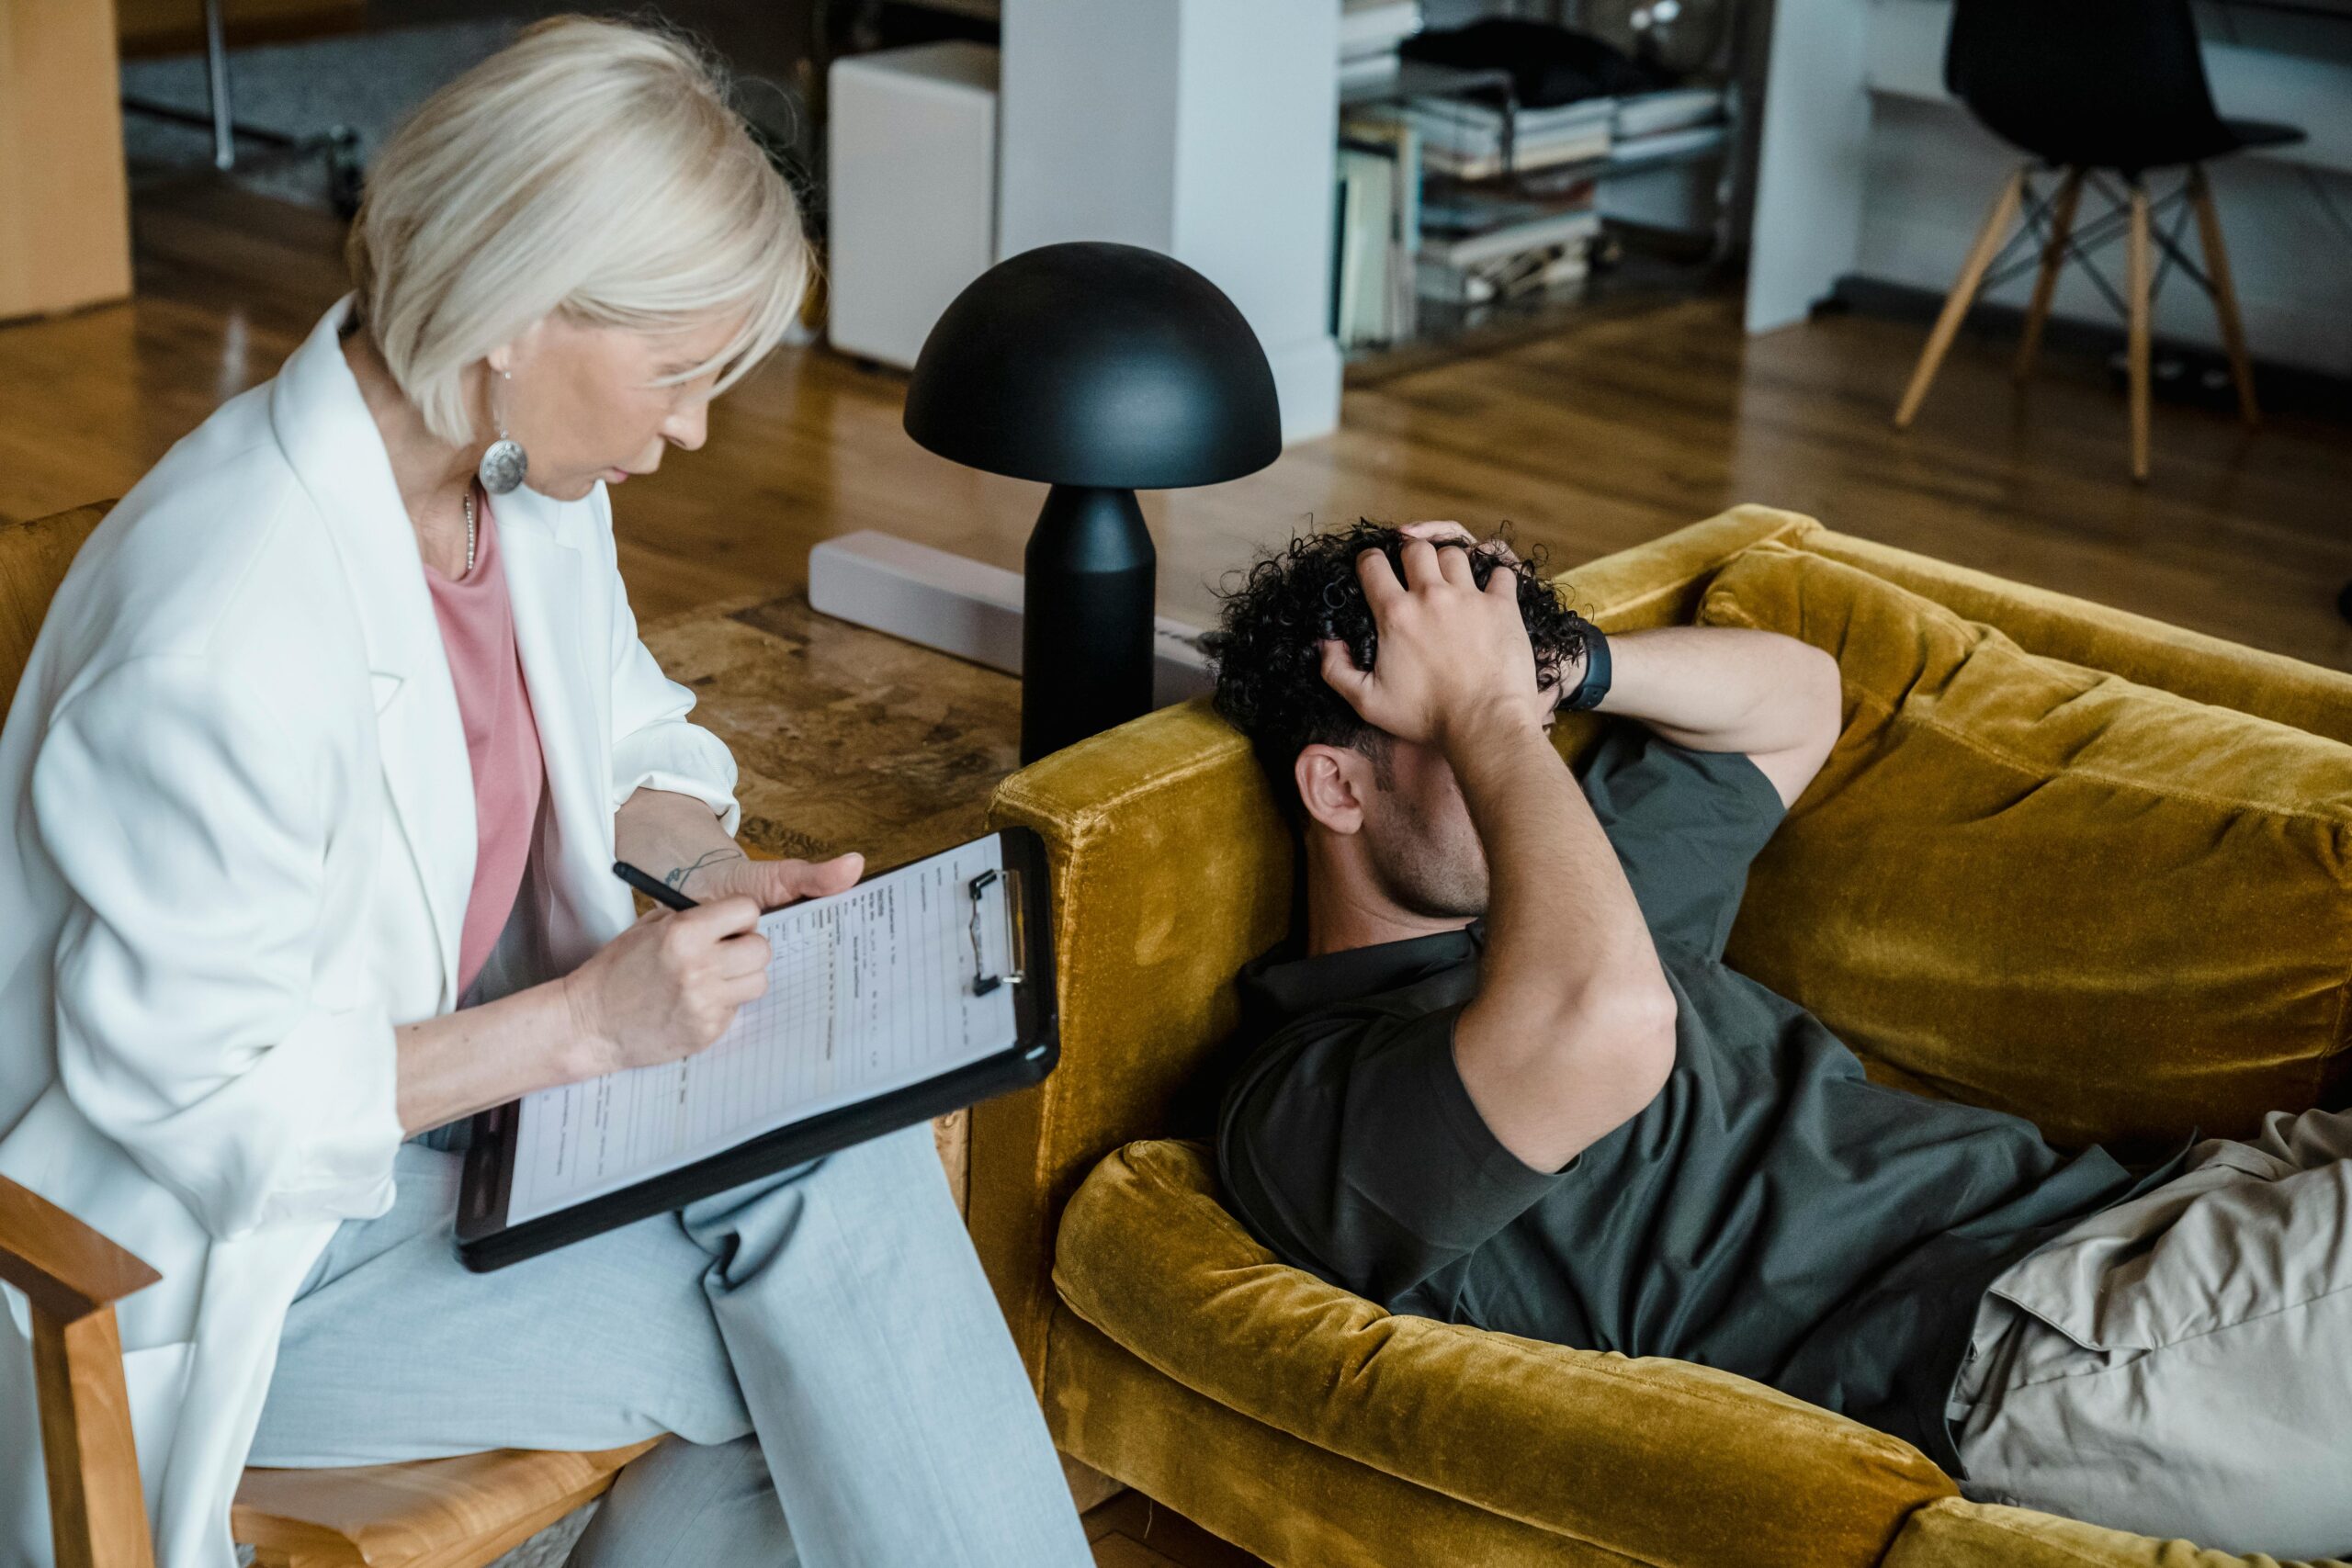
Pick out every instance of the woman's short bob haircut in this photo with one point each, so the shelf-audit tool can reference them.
(589, 168)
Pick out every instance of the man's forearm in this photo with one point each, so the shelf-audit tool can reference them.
(672, 836)
(1551, 873)
(1720, 688)
(1572, 1027)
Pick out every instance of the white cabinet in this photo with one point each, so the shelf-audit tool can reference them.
(912, 189)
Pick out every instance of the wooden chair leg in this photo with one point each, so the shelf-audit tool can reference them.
(1964, 294)
(2225, 294)
(2054, 262)
(97, 1513)
(2136, 296)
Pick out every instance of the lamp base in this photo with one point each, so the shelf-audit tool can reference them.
(1086, 624)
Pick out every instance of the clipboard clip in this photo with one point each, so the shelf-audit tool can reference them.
(1015, 930)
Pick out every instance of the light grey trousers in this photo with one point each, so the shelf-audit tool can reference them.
(823, 1340)
(2181, 1365)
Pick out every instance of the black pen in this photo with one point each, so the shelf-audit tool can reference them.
(659, 892)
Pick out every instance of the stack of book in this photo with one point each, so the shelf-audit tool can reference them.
(1452, 199)
(1479, 246)
(1379, 229)
(1369, 32)
(1468, 140)
(1406, 231)
(1651, 127)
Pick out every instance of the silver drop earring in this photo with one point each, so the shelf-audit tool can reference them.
(504, 463)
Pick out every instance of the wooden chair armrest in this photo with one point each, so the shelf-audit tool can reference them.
(68, 1270)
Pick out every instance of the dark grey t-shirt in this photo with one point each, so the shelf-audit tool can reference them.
(1773, 1213)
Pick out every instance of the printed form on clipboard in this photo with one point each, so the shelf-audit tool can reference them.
(898, 980)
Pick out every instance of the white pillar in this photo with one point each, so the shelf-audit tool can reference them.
(1813, 163)
(1202, 128)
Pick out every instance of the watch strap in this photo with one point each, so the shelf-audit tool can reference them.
(1595, 684)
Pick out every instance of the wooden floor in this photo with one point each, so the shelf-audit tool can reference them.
(1605, 435)
(1610, 432)
(1131, 1532)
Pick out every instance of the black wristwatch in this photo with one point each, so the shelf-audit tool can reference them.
(1595, 684)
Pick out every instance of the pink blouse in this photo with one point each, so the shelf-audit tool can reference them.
(501, 738)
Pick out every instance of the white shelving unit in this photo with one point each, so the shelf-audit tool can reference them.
(1670, 176)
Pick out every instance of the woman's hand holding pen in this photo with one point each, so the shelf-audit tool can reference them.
(668, 987)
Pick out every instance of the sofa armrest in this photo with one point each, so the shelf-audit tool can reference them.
(1657, 1460)
(1171, 869)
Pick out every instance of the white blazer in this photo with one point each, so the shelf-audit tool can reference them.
(240, 843)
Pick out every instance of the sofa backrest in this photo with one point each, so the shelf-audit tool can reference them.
(2057, 626)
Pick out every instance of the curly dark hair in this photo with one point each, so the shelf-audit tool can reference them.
(1269, 662)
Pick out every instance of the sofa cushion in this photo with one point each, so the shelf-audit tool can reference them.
(1658, 1461)
(2039, 886)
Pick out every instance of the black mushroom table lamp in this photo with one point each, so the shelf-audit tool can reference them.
(1099, 369)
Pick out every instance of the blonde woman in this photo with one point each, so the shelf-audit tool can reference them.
(313, 782)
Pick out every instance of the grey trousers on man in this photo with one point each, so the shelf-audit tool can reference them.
(823, 1341)
(2181, 1365)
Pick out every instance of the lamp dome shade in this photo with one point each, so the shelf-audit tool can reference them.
(1096, 364)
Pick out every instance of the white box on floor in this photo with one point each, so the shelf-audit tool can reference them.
(965, 607)
(912, 191)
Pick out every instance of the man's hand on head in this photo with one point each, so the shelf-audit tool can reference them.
(1442, 532)
(1451, 655)
(1447, 531)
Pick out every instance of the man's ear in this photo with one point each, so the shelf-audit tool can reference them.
(1331, 780)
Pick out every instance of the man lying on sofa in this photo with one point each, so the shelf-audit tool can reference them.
(1509, 1081)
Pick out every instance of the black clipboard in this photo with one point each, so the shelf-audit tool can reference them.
(485, 1241)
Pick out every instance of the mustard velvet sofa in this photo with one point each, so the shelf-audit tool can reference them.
(1317, 1430)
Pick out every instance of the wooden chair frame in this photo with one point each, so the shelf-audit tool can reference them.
(2048, 239)
(73, 1276)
